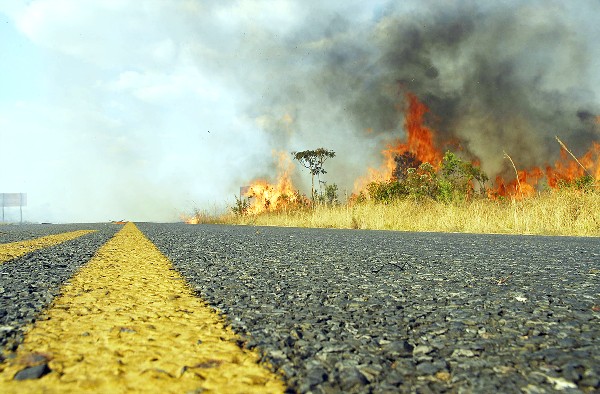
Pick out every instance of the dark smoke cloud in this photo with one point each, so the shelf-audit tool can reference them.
(499, 76)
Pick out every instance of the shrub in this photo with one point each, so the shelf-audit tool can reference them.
(331, 194)
(422, 181)
(454, 181)
(457, 177)
(386, 191)
(240, 208)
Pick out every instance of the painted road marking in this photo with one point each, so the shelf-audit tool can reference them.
(127, 322)
(17, 249)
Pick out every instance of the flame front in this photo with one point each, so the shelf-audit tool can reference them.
(567, 169)
(421, 141)
(268, 197)
(522, 186)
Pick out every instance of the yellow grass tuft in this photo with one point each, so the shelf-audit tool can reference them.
(559, 212)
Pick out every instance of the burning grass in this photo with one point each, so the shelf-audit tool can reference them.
(418, 187)
(556, 212)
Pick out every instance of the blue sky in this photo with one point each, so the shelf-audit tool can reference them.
(18, 53)
(143, 110)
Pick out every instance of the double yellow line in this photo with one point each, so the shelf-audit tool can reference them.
(127, 322)
(14, 250)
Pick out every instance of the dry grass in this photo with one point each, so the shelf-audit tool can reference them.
(563, 212)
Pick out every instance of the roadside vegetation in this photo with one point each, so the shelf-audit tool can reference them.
(561, 212)
(453, 197)
(553, 212)
(450, 197)
(418, 187)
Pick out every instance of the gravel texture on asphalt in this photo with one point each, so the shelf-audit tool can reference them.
(375, 311)
(29, 283)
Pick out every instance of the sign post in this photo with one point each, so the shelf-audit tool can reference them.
(13, 200)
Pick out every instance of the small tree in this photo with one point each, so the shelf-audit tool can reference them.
(329, 196)
(313, 160)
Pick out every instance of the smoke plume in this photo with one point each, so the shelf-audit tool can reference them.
(141, 110)
(503, 77)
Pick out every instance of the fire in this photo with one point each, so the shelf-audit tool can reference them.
(523, 186)
(566, 169)
(190, 220)
(267, 197)
(263, 196)
(419, 141)
(420, 138)
(592, 160)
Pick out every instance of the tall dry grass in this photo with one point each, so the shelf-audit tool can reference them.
(560, 212)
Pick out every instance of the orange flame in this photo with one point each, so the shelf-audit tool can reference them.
(565, 169)
(521, 187)
(267, 197)
(190, 219)
(420, 138)
(419, 141)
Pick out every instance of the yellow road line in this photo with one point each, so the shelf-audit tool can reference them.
(127, 322)
(14, 250)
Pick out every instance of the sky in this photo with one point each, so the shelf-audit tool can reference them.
(145, 110)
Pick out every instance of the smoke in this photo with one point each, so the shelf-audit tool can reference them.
(129, 111)
(507, 76)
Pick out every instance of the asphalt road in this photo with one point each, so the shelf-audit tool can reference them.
(29, 283)
(361, 311)
(374, 311)
(125, 323)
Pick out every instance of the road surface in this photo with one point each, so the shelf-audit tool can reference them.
(308, 310)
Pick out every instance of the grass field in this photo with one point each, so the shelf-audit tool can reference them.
(559, 212)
